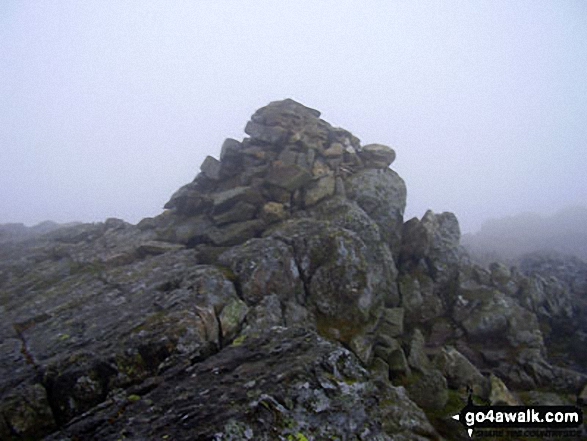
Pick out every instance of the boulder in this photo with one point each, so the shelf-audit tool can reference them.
(265, 267)
(369, 188)
(319, 189)
(211, 168)
(377, 156)
(333, 266)
(444, 235)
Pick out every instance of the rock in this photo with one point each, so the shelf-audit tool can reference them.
(265, 267)
(392, 322)
(417, 358)
(273, 212)
(444, 233)
(239, 212)
(231, 148)
(418, 298)
(231, 318)
(377, 156)
(26, 413)
(286, 382)
(225, 200)
(332, 264)
(335, 150)
(186, 230)
(155, 247)
(211, 168)
(208, 320)
(500, 395)
(268, 134)
(582, 397)
(290, 177)
(235, 233)
(415, 243)
(319, 189)
(189, 200)
(428, 390)
(460, 372)
(368, 188)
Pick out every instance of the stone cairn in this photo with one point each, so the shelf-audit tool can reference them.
(292, 160)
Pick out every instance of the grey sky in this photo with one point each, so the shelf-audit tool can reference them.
(107, 107)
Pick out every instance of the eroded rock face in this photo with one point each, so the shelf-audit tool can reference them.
(282, 383)
(279, 296)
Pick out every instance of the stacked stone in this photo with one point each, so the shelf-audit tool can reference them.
(292, 161)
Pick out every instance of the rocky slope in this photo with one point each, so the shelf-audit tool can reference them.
(281, 295)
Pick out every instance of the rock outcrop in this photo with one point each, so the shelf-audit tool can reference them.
(281, 295)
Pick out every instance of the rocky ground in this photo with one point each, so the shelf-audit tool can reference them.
(280, 296)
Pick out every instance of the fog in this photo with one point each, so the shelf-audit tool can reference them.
(510, 237)
(107, 107)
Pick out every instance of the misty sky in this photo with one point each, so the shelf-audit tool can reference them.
(107, 107)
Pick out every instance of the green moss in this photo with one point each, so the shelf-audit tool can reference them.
(239, 340)
(297, 437)
(133, 398)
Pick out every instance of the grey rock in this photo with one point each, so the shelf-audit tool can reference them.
(265, 267)
(428, 390)
(369, 188)
(460, 372)
(235, 233)
(155, 247)
(273, 212)
(444, 232)
(332, 263)
(285, 382)
(228, 198)
(417, 357)
(377, 155)
(382, 270)
(319, 189)
(230, 149)
(392, 322)
(239, 212)
(290, 177)
(211, 168)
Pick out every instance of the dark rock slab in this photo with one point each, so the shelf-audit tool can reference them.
(286, 383)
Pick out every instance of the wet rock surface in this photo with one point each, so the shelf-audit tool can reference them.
(281, 295)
